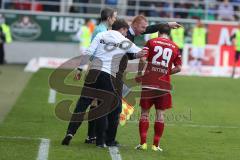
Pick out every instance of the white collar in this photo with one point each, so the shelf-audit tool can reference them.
(131, 31)
(116, 32)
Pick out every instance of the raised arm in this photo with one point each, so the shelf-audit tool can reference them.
(156, 27)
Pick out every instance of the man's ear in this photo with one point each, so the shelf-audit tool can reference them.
(133, 25)
(122, 30)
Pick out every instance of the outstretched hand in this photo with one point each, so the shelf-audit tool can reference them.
(77, 75)
(141, 53)
(174, 25)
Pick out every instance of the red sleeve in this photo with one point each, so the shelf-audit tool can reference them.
(178, 59)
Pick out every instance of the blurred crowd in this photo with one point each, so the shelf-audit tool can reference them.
(36, 5)
(227, 10)
(201, 9)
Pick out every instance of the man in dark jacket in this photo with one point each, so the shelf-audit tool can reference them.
(139, 26)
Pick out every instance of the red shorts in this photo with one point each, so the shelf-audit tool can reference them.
(160, 101)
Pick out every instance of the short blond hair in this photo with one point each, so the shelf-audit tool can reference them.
(138, 19)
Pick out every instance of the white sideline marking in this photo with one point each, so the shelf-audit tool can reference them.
(196, 125)
(115, 154)
(43, 147)
(205, 126)
(52, 96)
(23, 138)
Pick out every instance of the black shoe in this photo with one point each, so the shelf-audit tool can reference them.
(101, 146)
(67, 139)
(90, 140)
(113, 144)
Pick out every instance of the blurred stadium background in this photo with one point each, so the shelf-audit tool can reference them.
(204, 123)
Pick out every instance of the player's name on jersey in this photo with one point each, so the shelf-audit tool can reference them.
(161, 70)
(165, 43)
(123, 45)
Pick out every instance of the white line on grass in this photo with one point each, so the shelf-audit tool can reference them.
(43, 147)
(23, 138)
(196, 125)
(204, 126)
(52, 96)
(115, 154)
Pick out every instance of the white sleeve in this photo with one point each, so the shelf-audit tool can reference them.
(93, 46)
(134, 49)
(89, 52)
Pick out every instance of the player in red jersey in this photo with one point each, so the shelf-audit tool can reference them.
(156, 84)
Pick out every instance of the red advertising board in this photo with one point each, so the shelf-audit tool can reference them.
(219, 34)
(227, 56)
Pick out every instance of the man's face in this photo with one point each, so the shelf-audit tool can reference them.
(140, 27)
(226, 2)
(199, 23)
(112, 19)
(123, 31)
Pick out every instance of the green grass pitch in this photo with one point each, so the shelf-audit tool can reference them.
(204, 124)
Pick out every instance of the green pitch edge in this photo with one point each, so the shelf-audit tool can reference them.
(12, 81)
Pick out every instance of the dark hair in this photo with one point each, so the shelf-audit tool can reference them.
(106, 13)
(120, 23)
(165, 30)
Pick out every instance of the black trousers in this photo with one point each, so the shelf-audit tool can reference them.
(2, 53)
(98, 85)
(115, 116)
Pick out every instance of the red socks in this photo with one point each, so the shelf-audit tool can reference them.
(143, 128)
(158, 132)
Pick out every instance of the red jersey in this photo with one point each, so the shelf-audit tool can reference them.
(162, 55)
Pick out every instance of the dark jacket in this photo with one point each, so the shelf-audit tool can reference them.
(123, 64)
(150, 29)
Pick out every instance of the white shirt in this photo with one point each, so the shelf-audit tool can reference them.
(108, 48)
(131, 31)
